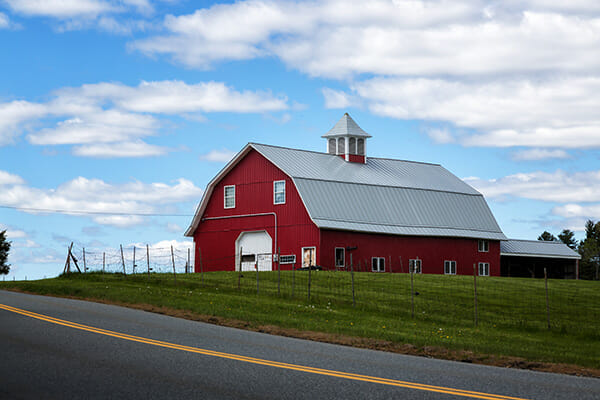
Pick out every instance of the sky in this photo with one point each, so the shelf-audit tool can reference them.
(115, 115)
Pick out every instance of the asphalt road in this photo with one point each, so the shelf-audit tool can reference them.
(73, 349)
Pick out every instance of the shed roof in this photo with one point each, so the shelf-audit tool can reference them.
(537, 248)
(381, 196)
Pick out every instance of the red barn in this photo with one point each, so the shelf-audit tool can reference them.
(325, 209)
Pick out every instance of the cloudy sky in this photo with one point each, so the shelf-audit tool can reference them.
(114, 115)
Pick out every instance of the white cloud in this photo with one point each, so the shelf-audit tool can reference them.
(440, 135)
(112, 118)
(6, 178)
(539, 154)
(510, 112)
(4, 21)
(558, 186)
(97, 196)
(337, 38)
(12, 233)
(576, 210)
(61, 8)
(337, 98)
(114, 150)
(222, 156)
(174, 228)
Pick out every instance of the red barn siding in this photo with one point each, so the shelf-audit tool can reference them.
(253, 178)
(433, 251)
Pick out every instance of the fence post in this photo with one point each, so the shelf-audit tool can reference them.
(187, 269)
(123, 260)
(148, 259)
(133, 262)
(84, 263)
(352, 274)
(278, 272)
(256, 268)
(103, 261)
(293, 278)
(547, 299)
(475, 291)
(173, 261)
(239, 269)
(390, 262)
(309, 270)
(201, 266)
(401, 265)
(412, 290)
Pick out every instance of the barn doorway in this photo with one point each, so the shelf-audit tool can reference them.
(256, 251)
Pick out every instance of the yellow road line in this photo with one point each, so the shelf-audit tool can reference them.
(312, 370)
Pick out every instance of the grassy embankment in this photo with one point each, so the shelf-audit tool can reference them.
(512, 314)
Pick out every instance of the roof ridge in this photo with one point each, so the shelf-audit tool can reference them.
(537, 241)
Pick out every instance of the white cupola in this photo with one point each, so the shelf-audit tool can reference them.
(347, 140)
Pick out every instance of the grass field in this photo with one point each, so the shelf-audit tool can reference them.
(511, 312)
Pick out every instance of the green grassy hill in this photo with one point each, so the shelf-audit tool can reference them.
(512, 317)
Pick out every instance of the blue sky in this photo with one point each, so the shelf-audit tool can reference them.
(122, 108)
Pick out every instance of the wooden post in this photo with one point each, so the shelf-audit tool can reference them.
(123, 260)
(401, 265)
(293, 278)
(352, 274)
(201, 266)
(133, 263)
(256, 268)
(547, 299)
(148, 259)
(103, 261)
(475, 291)
(84, 263)
(390, 262)
(309, 270)
(411, 269)
(187, 269)
(278, 271)
(239, 269)
(67, 268)
(173, 261)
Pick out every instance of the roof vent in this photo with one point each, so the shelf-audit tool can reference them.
(347, 140)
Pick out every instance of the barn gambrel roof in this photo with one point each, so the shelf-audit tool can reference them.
(380, 196)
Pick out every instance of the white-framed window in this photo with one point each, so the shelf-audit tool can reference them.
(484, 246)
(279, 192)
(341, 146)
(309, 257)
(484, 269)
(332, 146)
(415, 266)
(360, 147)
(352, 146)
(340, 257)
(377, 264)
(450, 267)
(289, 259)
(229, 196)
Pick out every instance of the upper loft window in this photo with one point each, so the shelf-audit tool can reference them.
(279, 192)
(332, 146)
(352, 147)
(360, 147)
(229, 196)
(484, 246)
(341, 146)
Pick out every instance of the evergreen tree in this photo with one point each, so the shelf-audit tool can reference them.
(568, 237)
(4, 249)
(589, 248)
(547, 237)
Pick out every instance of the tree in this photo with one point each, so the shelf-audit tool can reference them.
(4, 249)
(589, 248)
(568, 237)
(547, 237)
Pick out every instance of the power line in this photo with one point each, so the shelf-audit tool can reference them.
(57, 211)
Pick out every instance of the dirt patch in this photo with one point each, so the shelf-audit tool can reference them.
(365, 343)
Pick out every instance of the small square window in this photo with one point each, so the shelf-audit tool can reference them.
(229, 195)
(415, 266)
(484, 269)
(378, 264)
(484, 246)
(450, 267)
(279, 192)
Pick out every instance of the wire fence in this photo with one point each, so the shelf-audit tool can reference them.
(396, 291)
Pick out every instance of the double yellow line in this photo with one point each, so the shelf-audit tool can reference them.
(252, 360)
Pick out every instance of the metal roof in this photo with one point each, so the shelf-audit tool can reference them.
(380, 196)
(537, 248)
(346, 127)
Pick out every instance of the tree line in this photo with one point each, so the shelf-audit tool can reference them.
(588, 248)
